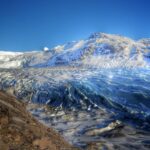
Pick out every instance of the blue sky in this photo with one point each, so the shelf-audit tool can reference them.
(33, 24)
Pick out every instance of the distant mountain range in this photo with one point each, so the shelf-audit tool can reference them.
(99, 46)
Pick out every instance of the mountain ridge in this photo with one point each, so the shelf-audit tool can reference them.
(98, 44)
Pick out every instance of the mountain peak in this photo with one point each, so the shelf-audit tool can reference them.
(96, 35)
(106, 35)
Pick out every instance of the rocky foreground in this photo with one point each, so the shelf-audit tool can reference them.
(20, 131)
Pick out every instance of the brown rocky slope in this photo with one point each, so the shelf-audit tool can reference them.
(20, 131)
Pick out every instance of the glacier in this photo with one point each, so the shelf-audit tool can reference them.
(103, 71)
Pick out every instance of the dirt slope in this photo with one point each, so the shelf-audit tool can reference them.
(20, 131)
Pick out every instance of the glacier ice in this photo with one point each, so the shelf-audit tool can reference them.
(104, 70)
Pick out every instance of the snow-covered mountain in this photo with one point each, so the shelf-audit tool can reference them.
(104, 70)
(95, 50)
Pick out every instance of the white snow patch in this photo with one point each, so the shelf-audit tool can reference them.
(11, 64)
(77, 45)
(59, 48)
(6, 56)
